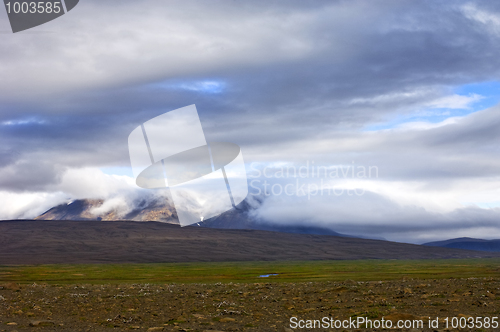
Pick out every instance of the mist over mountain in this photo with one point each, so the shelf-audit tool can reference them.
(92, 209)
(161, 210)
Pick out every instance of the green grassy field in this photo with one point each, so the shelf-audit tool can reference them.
(248, 272)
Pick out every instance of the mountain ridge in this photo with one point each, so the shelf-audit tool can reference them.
(468, 243)
(32, 242)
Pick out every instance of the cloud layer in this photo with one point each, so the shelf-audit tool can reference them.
(291, 82)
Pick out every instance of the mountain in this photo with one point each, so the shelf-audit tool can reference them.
(88, 209)
(73, 242)
(161, 210)
(468, 244)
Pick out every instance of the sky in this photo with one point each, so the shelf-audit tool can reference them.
(409, 90)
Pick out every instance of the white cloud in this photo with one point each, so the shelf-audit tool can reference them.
(114, 204)
(490, 20)
(422, 125)
(21, 122)
(162, 42)
(455, 101)
(75, 184)
(28, 205)
(93, 183)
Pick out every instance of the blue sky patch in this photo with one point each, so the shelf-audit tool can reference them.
(202, 86)
(480, 95)
(122, 171)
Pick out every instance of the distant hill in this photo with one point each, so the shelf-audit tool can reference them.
(161, 210)
(72, 242)
(468, 243)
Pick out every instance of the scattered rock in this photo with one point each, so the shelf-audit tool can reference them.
(480, 303)
(227, 320)
(187, 308)
(11, 286)
(12, 323)
(41, 323)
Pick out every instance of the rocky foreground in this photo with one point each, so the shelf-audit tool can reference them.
(243, 307)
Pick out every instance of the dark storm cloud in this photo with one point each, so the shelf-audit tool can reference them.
(30, 175)
(329, 55)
